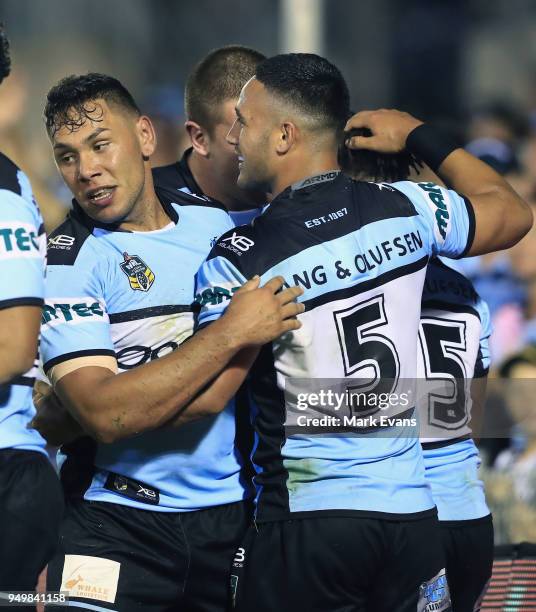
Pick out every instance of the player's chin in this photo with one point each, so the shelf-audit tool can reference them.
(106, 214)
(245, 180)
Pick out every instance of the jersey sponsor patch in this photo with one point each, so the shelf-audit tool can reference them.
(73, 310)
(133, 489)
(18, 240)
(236, 243)
(438, 201)
(140, 276)
(212, 296)
(61, 241)
(90, 577)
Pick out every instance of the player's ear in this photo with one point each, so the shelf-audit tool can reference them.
(146, 136)
(286, 137)
(198, 137)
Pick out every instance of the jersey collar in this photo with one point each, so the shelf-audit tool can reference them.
(307, 190)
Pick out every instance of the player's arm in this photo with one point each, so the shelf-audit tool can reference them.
(58, 426)
(21, 292)
(502, 217)
(111, 406)
(220, 391)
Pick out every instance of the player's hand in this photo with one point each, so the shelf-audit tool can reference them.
(52, 420)
(389, 130)
(258, 315)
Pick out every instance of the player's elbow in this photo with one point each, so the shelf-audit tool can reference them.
(519, 221)
(104, 434)
(103, 428)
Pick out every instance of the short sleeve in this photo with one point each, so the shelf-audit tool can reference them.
(449, 216)
(22, 251)
(75, 322)
(216, 282)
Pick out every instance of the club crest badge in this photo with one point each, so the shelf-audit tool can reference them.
(140, 276)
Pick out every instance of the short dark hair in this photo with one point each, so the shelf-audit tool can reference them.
(217, 78)
(67, 102)
(366, 165)
(310, 83)
(5, 59)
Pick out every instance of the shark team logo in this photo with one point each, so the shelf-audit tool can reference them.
(140, 276)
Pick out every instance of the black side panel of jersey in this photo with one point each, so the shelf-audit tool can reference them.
(66, 240)
(8, 175)
(269, 418)
(78, 469)
(294, 221)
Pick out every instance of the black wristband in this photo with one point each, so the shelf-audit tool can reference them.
(430, 144)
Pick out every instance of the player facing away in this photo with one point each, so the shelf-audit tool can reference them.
(453, 362)
(153, 513)
(343, 521)
(209, 168)
(31, 503)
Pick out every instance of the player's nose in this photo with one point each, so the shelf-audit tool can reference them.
(88, 167)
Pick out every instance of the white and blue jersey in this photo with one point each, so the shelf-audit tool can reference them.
(22, 257)
(360, 252)
(454, 333)
(131, 295)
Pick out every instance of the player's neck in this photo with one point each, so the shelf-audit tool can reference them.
(204, 177)
(147, 215)
(303, 167)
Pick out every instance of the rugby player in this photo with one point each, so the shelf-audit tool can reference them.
(31, 503)
(343, 521)
(209, 168)
(153, 513)
(454, 335)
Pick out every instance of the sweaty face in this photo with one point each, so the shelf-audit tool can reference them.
(250, 136)
(102, 162)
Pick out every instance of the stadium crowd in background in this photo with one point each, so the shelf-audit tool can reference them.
(499, 134)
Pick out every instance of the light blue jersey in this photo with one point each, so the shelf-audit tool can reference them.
(360, 252)
(22, 257)
(130, 295)
(454, 333)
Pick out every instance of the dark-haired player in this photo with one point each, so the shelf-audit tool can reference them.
(153, 513)
(343, 520)
(453, 361)
(30, 495)
(209, 168)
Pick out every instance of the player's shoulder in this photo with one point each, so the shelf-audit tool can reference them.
(379, 201)
(169, 196)
(9, 175)
(66, 242)
(168, 176)
(237, 244)
(16, 189)
(448, 287)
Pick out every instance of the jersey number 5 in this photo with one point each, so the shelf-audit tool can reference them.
(441, 342)
(365, 351)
